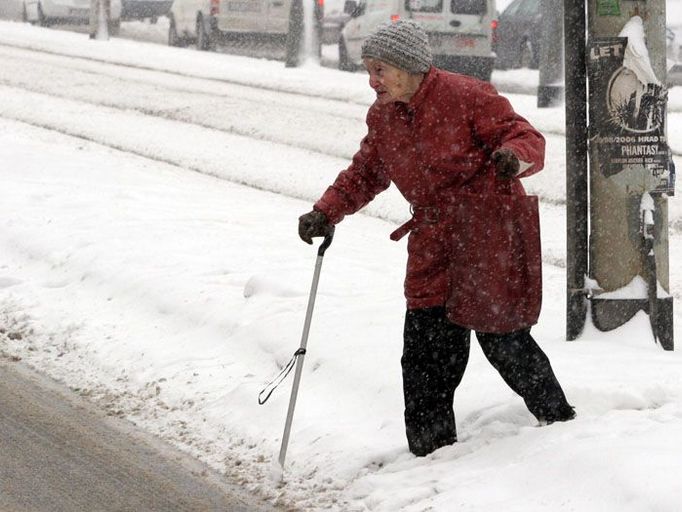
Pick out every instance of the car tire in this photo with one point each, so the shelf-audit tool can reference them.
(527, 56)
(42, 20)
(345, 64)
(501, 60)
(204, 42)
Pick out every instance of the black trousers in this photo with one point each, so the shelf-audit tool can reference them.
(435, 355)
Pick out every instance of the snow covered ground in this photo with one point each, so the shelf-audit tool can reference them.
(135, 269)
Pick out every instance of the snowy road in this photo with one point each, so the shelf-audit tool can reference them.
(274, 116)
(292, 118)
(324, 125)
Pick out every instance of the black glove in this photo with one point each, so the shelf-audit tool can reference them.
(313, 224)
(506, 163)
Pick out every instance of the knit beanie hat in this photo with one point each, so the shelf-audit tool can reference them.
(403, 44)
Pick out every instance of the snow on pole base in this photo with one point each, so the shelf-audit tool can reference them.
(611, 310)
(276, 471)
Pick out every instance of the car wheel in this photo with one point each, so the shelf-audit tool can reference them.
(42, 20)
(345, 64)
(501, 60)
(204, 42)
(526, 56)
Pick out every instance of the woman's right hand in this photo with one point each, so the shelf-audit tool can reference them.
(313, 224)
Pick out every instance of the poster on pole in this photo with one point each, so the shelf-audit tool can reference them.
(627, 118)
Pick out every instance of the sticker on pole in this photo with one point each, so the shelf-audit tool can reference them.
(627, 115)
(608, 8)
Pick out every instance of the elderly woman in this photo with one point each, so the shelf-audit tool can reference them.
(436, 134)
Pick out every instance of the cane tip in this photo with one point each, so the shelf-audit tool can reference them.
(276, 472)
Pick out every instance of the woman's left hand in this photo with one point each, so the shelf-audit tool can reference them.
(506, 163)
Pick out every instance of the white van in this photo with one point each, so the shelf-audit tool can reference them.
(460, 31)
(209, 21)
(48, 12)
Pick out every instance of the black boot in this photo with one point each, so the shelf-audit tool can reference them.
(565, 413)
(526, 369)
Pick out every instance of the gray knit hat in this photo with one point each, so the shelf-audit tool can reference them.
(403, 44)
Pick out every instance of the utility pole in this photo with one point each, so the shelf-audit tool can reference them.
(551, 62)
(630, 171)
(576, 167)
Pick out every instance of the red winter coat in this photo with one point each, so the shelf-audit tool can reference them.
(436, 145)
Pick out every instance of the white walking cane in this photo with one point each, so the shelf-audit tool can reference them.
(299, 354)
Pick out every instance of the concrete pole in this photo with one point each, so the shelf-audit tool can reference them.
(551, 82)
(616, 256)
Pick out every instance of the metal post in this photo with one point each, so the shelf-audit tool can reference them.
(576, 167)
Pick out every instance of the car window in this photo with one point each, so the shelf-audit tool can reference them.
(529, 8)
(469, 6)
(513, 8)
(424, 5)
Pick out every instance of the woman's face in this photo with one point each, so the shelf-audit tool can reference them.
(389, 82)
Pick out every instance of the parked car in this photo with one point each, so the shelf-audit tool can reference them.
(207, 22)
(460, 31)
(517, 35)
(49, 12)
(143, 9)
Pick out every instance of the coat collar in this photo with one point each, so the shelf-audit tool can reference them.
(424, 89)
(419, 96)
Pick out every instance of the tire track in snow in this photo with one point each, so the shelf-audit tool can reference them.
(42, 114)
(279, 88)
(293, 172)
(186, 83)
(65, 116)
(241, 110)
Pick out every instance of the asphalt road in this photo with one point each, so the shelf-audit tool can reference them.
(59, 454)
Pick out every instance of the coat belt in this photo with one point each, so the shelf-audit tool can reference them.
(420, 215)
